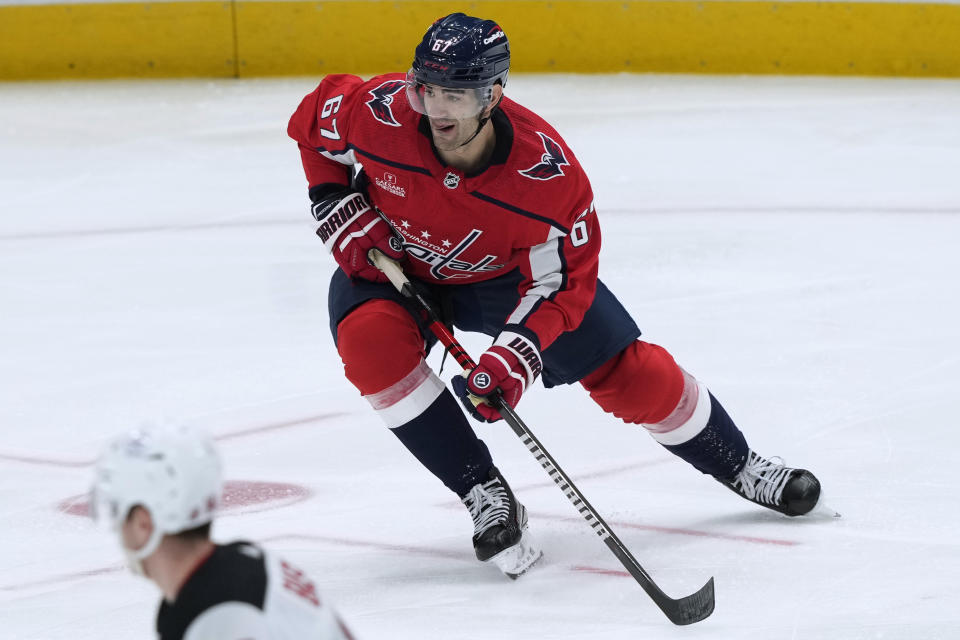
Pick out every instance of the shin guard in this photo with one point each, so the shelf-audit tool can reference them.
(443, 442)
(379, 344)
(383, 356)
(718, 448)
(644, 385)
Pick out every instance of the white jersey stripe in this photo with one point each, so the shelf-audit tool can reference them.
(348, 158)
(546, 268)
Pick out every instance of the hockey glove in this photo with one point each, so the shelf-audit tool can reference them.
(349, 228)
(511, 365)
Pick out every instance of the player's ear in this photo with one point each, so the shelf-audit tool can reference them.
(137, 528)
(497, 94)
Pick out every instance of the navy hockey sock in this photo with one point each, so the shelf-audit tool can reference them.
(443, 442)
(719, 449)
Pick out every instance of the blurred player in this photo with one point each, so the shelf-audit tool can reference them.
(158, 489)
(491, 213)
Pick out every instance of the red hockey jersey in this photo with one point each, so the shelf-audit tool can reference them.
(531, 208)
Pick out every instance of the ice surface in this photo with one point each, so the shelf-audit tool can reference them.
(793, 242)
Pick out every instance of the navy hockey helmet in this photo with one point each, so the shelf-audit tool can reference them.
(460, 52)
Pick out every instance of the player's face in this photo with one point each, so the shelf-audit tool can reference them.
(453, 114)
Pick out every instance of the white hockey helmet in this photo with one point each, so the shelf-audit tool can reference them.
(171, 470)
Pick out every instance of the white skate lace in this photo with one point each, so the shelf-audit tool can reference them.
(488, 505)
(763, 480)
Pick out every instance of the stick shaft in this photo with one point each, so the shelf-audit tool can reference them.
(682, 611)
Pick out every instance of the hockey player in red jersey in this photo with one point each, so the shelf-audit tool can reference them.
(158, 488)
(493, 216)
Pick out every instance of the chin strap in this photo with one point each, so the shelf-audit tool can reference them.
(482, 123)
(135, 557)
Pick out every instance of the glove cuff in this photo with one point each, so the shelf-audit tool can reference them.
(526, 352)
(336, 213)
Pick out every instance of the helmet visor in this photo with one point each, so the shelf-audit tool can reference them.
(447, 103)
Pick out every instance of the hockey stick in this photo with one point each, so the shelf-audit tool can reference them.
(681, 611)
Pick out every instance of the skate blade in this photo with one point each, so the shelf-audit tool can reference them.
(823, 510)
(515, 561)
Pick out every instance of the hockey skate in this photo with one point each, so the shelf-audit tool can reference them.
(500, 532)
(772, 484)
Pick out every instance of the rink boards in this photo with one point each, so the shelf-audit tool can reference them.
(256, 38)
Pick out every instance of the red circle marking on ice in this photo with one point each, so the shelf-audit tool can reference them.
(237, 494)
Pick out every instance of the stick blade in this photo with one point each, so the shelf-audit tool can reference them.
(693, 608)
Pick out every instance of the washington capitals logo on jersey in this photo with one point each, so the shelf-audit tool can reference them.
(551, 163)
(382, 99)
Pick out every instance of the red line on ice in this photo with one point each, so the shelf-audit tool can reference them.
(597, 474)
(45, 461)
(679, 531)
(123, 231)
(278, 425)
(602, 572)
(65, 577)
(382, 546)
(59, 462)
(631, 525)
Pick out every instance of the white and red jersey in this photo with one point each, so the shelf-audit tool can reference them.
(531, 209)
(240, 592)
